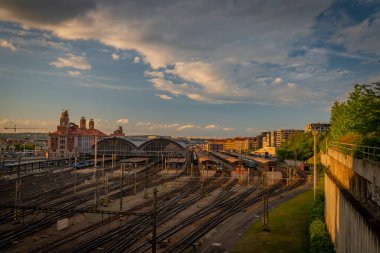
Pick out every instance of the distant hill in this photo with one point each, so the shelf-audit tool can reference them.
(23, 136)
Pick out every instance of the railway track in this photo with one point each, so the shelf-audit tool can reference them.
(74, 201)
(234, 207)
(120, 238)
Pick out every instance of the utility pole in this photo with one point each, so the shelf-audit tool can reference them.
(146, 181)
(154, 242)
(135, 184)
(265, 218)
(16, 212)
(315, 162)
(248, 177)
(96, 173)
(121, 188)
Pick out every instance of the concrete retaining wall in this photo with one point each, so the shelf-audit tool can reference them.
(347, 227)
(369, 170)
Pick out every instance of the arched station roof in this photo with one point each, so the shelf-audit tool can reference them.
(125, 146)
(115, 145)
(162, 144)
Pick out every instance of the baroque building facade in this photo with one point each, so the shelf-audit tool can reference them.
(70, 139)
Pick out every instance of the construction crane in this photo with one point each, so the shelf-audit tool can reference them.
(16, 128)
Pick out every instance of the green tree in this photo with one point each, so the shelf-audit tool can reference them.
(359, 114)
(299, 146)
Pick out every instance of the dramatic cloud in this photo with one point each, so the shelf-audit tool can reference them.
(6, 44)
(122, 121)
(211, 51)
(163, 96)
(362, 37)
(72, 61)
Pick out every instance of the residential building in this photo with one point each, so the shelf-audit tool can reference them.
(241, 144)
(216, 145)
(255, 143)
(283, 135)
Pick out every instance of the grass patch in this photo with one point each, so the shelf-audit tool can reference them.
(289, 224)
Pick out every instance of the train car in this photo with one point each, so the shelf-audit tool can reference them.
(82, 165)
(249, 163)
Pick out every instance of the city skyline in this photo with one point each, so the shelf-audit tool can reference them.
(230, 68)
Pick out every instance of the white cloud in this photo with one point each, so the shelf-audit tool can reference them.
(136, 59)
(291, 85)
(154, 74)
(122, 121)
(227, 129)
(183, 127)
(73, 61)
(362, 37)
(222, 67)
(163, 96)
(278, 80)
(73, 73)
(7, 44)
(212, 126)
(115, 56)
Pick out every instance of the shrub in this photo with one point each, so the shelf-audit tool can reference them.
(319, 238)
(318, 208)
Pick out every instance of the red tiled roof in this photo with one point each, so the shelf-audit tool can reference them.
(78, 131)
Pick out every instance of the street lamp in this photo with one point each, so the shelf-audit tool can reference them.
(315, 162)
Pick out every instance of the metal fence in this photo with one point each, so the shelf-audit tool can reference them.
(358, 151)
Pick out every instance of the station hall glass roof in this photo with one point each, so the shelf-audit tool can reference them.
(125, 145)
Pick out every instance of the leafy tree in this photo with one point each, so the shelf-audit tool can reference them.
(359, 114)
(299, 146)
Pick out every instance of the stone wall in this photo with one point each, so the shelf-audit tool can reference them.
(348, 228)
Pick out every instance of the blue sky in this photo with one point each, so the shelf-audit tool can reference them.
(183, 68)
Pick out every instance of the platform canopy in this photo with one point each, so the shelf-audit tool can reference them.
(202, 157)
(227, 158)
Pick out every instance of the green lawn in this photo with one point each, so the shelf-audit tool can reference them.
(289, 226)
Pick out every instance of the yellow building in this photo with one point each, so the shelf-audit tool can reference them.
(229, 145)
(241, 144)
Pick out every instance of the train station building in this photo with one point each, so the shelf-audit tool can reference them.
(70, 139)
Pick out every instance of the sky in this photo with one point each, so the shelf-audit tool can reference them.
(183, 68)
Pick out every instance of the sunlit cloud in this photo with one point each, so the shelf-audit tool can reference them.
(7, 44)
(73, 73)
(278, 80)
(72, 61)
(136, 59)
(163, 96)
(183, 127)
(122, 121)
(115, 56)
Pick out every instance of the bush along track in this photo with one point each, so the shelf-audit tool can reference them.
(320, 241)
